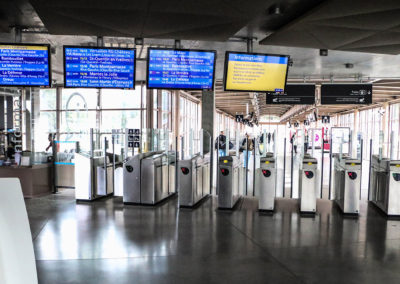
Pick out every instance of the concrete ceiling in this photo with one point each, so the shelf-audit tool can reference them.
(177, 19)
(281, 27)
(357, 25)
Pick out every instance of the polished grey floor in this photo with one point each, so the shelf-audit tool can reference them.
(107, 242)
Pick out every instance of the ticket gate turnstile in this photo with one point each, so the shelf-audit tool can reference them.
(347, 184)
(308, 180)
(158, 178)
(132, 177)
(231, 181)
(266, 183)
(194, 180)
(149, 177)
(384, 185)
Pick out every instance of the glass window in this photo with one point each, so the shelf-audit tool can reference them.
(79, 99)
(120, 119)
(43, 125)
(48, 99)
(77, 121)
(117, 99)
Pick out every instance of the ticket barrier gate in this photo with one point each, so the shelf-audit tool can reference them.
(384, 185)
(308, 177)
(231, 181)
(347, 184)
(132, 177)
(194, 180)
(93, 177)
(266, 183)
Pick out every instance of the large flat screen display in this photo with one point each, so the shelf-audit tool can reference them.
(253, 72)
(94, 67)
(180, 69)
(25, 65)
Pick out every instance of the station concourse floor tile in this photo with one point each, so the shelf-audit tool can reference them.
(108, 242)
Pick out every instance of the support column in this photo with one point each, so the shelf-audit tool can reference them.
(207, 117)
(355, 133)
(386, 129)
(207, 124)
(176, 115)
(58, 111)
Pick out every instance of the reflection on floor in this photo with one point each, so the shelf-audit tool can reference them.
(107, 242)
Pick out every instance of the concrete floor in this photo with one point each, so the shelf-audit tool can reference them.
(107, 242)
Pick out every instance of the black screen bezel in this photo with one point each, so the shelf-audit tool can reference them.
(179, 49)
(99, 47)
(252, 53)
(48, 62)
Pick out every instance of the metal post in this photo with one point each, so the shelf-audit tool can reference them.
(322, 167)
(361, 171)
(312, 141)
(265, 143)
(217, 176)
(370, 160)
(211, 161)
(249, 45)
(105, 165)
(330, 167)
(182, 147)
(113, 162)
(176, 164)
(247, 161)
(54, 170)
(254, 166)
(291, 171)
(284, 166)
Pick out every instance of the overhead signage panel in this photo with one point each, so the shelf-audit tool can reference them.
(180, 69)
(25, 65)
(95, 67)
(253, 72)
(295, 94)
(356, 93)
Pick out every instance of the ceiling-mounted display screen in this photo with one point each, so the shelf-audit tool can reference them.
(99, 67)
(180, 69)
(25, 65)
(253, 72)
(295, 94)
(355, 93)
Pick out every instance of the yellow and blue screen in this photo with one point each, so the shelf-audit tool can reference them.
(253, 72)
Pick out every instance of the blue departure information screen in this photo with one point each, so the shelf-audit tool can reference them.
(86, 67)
(180, 69)
(24, 65)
